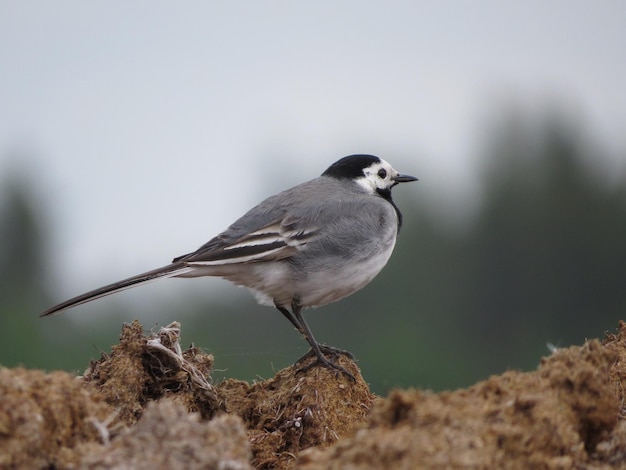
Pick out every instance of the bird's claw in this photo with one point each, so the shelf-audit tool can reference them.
(322, 360)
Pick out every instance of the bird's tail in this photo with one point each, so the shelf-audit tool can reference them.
(174, 269)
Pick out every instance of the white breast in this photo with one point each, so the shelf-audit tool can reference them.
(324, 288)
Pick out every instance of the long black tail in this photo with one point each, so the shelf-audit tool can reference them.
(170, 270)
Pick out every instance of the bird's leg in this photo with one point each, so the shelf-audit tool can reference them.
(316, 349)
(329, 350)
(289, 316)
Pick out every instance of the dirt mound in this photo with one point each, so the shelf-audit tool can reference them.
(142, 369)
(168, 436)
(553, 418)
(149, 404)
(45, 417)
(294, 411)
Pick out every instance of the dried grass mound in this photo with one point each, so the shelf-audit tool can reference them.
(149, 404)
(617, 344)
(297, 410)
(143, 368)
(561, 416)
(292, 411)
(46, 418)
(168, 436)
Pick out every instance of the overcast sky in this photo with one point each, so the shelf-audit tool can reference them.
(150, 126)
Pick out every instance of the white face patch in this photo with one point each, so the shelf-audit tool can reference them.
(379, 175)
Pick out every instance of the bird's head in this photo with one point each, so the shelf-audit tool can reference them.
(372, 173)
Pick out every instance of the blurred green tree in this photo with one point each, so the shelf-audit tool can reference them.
(22, 283)
(25, 339)
(545, 259)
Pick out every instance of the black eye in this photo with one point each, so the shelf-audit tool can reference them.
(382, 173)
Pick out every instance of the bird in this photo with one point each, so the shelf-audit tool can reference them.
(307, 246)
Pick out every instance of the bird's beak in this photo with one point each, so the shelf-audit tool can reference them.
(404, 178)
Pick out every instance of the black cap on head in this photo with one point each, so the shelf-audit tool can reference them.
(351, 166)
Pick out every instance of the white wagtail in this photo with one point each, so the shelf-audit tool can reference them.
(310, 245)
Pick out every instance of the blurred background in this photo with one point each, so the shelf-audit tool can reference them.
(133, 133)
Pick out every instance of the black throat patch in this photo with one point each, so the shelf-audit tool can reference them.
(386, 195)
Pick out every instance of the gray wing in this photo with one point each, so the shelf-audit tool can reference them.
(272, 230)
(283, 225)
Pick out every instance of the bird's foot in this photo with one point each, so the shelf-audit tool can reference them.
(324, 359)
(327, 350)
